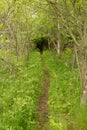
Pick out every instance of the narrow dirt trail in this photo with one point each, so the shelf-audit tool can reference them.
(42, 110)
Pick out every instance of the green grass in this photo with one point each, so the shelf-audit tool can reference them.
(19, 93)
(64, 92)
(81, 117)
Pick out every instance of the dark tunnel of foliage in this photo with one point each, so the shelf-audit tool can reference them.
(41, 44)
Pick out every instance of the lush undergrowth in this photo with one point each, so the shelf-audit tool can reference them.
(19, 93)
(20, 90)
(64, 92)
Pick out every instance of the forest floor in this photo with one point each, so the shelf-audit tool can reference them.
(42, 110)
(42, 94)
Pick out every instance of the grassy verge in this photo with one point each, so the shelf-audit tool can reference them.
(19, 93)
(64, 92)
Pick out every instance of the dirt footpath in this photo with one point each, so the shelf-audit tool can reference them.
(42, 110)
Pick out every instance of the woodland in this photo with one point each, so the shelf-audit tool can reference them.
(43, 65)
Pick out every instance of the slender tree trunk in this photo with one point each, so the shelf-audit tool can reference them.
(84, 92)
(58, 40)
(58, 47)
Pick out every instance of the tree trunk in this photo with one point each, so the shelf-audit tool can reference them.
(84, 93)
(58, 40)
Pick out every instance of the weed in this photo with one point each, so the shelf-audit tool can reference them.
(19, 95)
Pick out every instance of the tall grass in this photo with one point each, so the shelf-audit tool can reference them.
(19, 93)
(64, 92)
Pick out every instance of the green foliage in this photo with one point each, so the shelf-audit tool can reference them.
(67, 57)
(21, 21)
(81, 118)
(3, 40)
(19, 93)
(3, 5)
(57, 125)
(64, 92)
